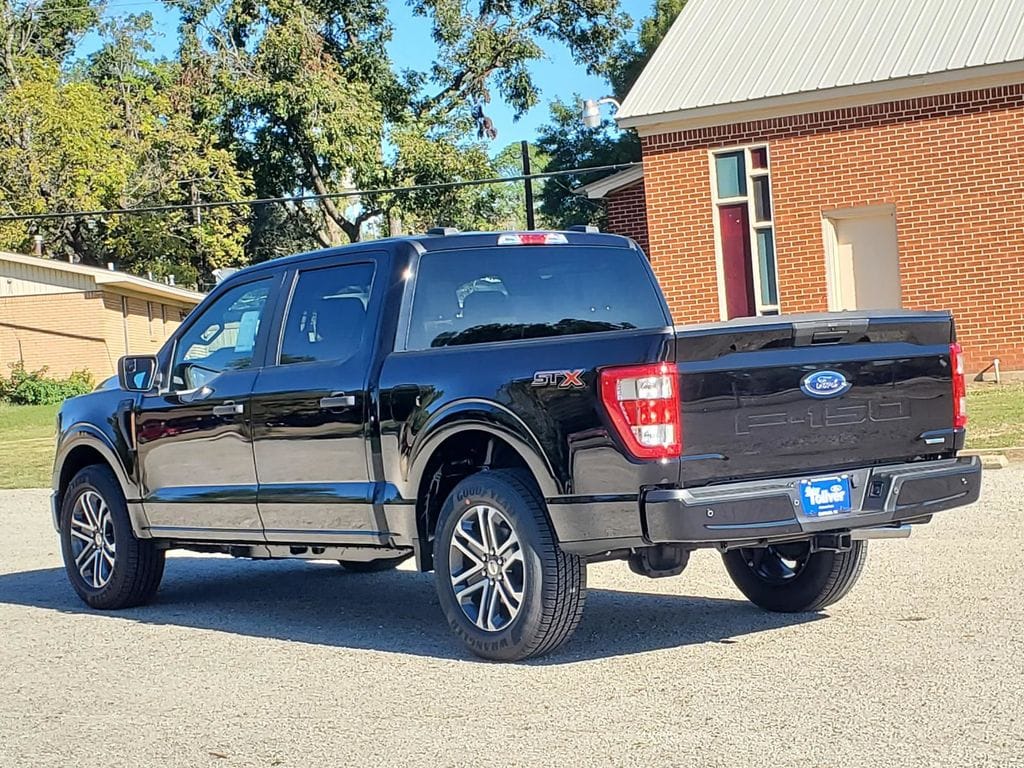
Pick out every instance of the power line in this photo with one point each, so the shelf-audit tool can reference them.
(307, 198)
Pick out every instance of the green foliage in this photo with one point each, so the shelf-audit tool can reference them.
(118, 131)
(49, 30)
(487, 47)
(24, 387)
(272, 98)
(56, 153)
(570, 144)
(629, 59)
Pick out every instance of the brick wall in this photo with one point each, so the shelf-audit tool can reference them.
(64, 332)
(627, 213)
(71, 331)
(951, 166)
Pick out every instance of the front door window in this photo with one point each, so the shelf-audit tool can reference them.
(222, 338)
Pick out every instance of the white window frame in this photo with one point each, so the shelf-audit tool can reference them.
(754, 225)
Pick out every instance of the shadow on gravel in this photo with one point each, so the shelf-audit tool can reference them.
(396, 611)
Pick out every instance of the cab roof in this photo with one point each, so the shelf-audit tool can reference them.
(449, 241)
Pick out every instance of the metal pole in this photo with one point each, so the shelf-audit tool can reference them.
(528, 185)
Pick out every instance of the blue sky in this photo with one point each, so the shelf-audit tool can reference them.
(558, 76)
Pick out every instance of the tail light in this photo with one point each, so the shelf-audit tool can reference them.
(643, 403)
(956, 362)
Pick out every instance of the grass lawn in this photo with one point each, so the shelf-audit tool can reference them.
(26, 445)
(996, 420)
(995, 416)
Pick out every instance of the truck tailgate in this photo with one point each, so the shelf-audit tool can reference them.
(800, 394)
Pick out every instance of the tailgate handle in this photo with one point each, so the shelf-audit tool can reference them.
(828, 337)
(828, 331)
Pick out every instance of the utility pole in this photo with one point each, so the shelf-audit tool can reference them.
(528, 185)
(197, 220)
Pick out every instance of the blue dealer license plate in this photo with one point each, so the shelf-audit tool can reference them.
(825, 496)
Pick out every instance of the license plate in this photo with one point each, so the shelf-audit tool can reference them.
(825, 496)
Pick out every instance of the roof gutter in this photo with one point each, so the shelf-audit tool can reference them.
(786, 105)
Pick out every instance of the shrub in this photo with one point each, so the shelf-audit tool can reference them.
(24, 387)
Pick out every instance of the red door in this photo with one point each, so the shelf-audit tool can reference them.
(739, 278)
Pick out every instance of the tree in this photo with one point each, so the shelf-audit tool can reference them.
(34, 31)
(57, 154)
(314, 104)
(117, 132)
(571, 145)
(176, 159)
(629, 60)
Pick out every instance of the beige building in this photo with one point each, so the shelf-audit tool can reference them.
(70, 317)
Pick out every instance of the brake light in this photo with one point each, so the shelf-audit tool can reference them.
(532, 238)
(956, 362)
(643, 404)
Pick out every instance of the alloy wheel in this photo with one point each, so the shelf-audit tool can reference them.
(488, 573)
(92, 539)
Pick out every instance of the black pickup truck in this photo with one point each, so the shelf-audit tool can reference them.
(505, 408)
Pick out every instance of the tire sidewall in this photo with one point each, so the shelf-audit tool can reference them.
(801, 593)
(514, 641)
(101, 482)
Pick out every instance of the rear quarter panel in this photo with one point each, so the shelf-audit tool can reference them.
(425, 393)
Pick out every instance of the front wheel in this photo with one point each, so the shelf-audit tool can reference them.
(505, 586)
(108, 567)
(789, 578)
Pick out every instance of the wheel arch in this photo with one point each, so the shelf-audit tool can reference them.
(86, 446)
(467, 441)
(492, 419)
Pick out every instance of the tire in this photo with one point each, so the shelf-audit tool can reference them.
(373, 566)
(520, 557)
(787, 578)
(94, 519)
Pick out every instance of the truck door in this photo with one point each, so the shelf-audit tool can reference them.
(193, 435)
(311, 407)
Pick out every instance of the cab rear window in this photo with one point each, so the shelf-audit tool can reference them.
(511, 293)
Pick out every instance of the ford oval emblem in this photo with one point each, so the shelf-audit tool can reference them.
(822, 384)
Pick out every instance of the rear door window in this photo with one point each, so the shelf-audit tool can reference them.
(508, 293)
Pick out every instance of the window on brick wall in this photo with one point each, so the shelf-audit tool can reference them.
(745, 235)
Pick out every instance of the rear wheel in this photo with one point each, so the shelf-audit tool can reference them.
(373, 566)
(789, 578)
(507, 589)
(108, 567)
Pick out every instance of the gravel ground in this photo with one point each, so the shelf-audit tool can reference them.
(295, 664)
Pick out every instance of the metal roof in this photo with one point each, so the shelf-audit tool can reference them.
(722, 52)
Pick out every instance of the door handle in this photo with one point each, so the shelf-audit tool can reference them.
(337, 401)
(228, 409)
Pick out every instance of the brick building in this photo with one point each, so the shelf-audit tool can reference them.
(68, 317)
(808, 155)
(625, 202)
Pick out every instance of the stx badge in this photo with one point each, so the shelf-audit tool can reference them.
(560, 379)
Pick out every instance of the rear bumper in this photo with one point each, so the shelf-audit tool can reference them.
(769, 510)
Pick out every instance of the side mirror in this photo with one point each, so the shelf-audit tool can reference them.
(137, 373)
